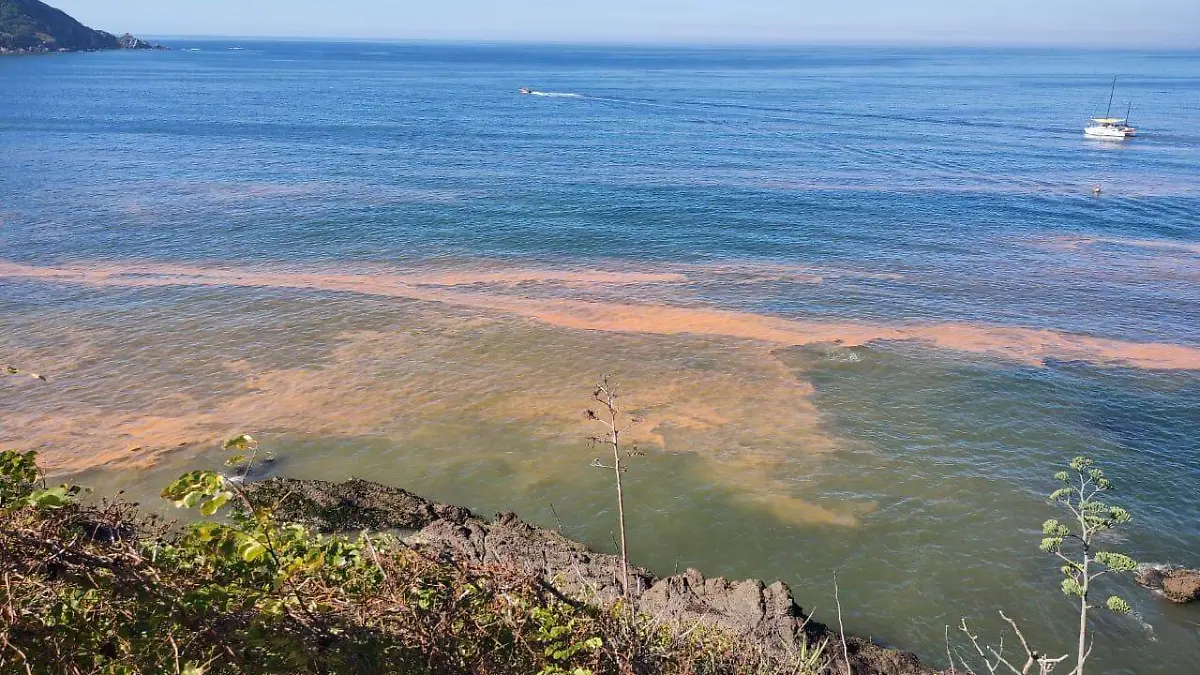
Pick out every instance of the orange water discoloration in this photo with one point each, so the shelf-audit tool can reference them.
(569, 278)
(738, 411)
(1075, 243)
(1020, 344)
(1136, 261)
(478, 348)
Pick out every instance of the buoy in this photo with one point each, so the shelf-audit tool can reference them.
(1096, 190)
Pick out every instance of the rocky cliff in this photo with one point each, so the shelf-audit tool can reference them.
(764, 614)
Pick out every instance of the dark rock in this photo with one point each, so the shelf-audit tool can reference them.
(105, 530)
(128, 41)
(1176, 583)
(350, 506)
(261, 468)
(747, 609)
(567, 565)
(1150, 576)
(765, 616)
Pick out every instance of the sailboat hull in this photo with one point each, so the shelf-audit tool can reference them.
(1113, 133)
(1109, 127)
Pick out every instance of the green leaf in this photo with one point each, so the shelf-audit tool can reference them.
(52, 498)
(1071, 588)
(18, 467)
(242, 442)
(251, 550)
(213, 505)
(1117, 562)
(1062, 494)
(1117, 605)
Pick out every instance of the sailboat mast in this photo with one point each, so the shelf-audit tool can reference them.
(1128, 109)
(1108, 113)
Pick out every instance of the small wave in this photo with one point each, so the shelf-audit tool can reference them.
(840, 354)
(1146, 626)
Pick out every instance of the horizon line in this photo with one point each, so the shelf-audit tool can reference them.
(711, 43)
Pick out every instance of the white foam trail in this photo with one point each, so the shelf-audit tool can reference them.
(555, 94)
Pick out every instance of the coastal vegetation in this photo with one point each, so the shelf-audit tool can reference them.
(246, 586)
(97, 587)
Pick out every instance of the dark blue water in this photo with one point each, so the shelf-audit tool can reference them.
(844, 187)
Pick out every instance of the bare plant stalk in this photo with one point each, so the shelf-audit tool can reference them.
(841, 629)
(610, 416)
(1083, 613)
(949, 656)
(616, 445)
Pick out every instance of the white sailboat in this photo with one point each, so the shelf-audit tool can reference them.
(1109, 127)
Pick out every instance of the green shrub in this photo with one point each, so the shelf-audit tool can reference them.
(102, 589)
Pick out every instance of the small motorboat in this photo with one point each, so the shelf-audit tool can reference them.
(525, 90)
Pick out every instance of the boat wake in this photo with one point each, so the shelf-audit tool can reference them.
(555, 94)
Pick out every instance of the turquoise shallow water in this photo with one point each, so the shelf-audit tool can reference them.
(437, 227)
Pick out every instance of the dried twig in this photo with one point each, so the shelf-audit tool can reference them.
(1045, 664)
(841, 628)
(605, 394)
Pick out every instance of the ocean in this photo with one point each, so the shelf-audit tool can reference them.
(865, 298)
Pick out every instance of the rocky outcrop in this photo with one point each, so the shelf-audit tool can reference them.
(128, 41)
(352, 505)
(762, 614)
(765, 615)
(1176, 583)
